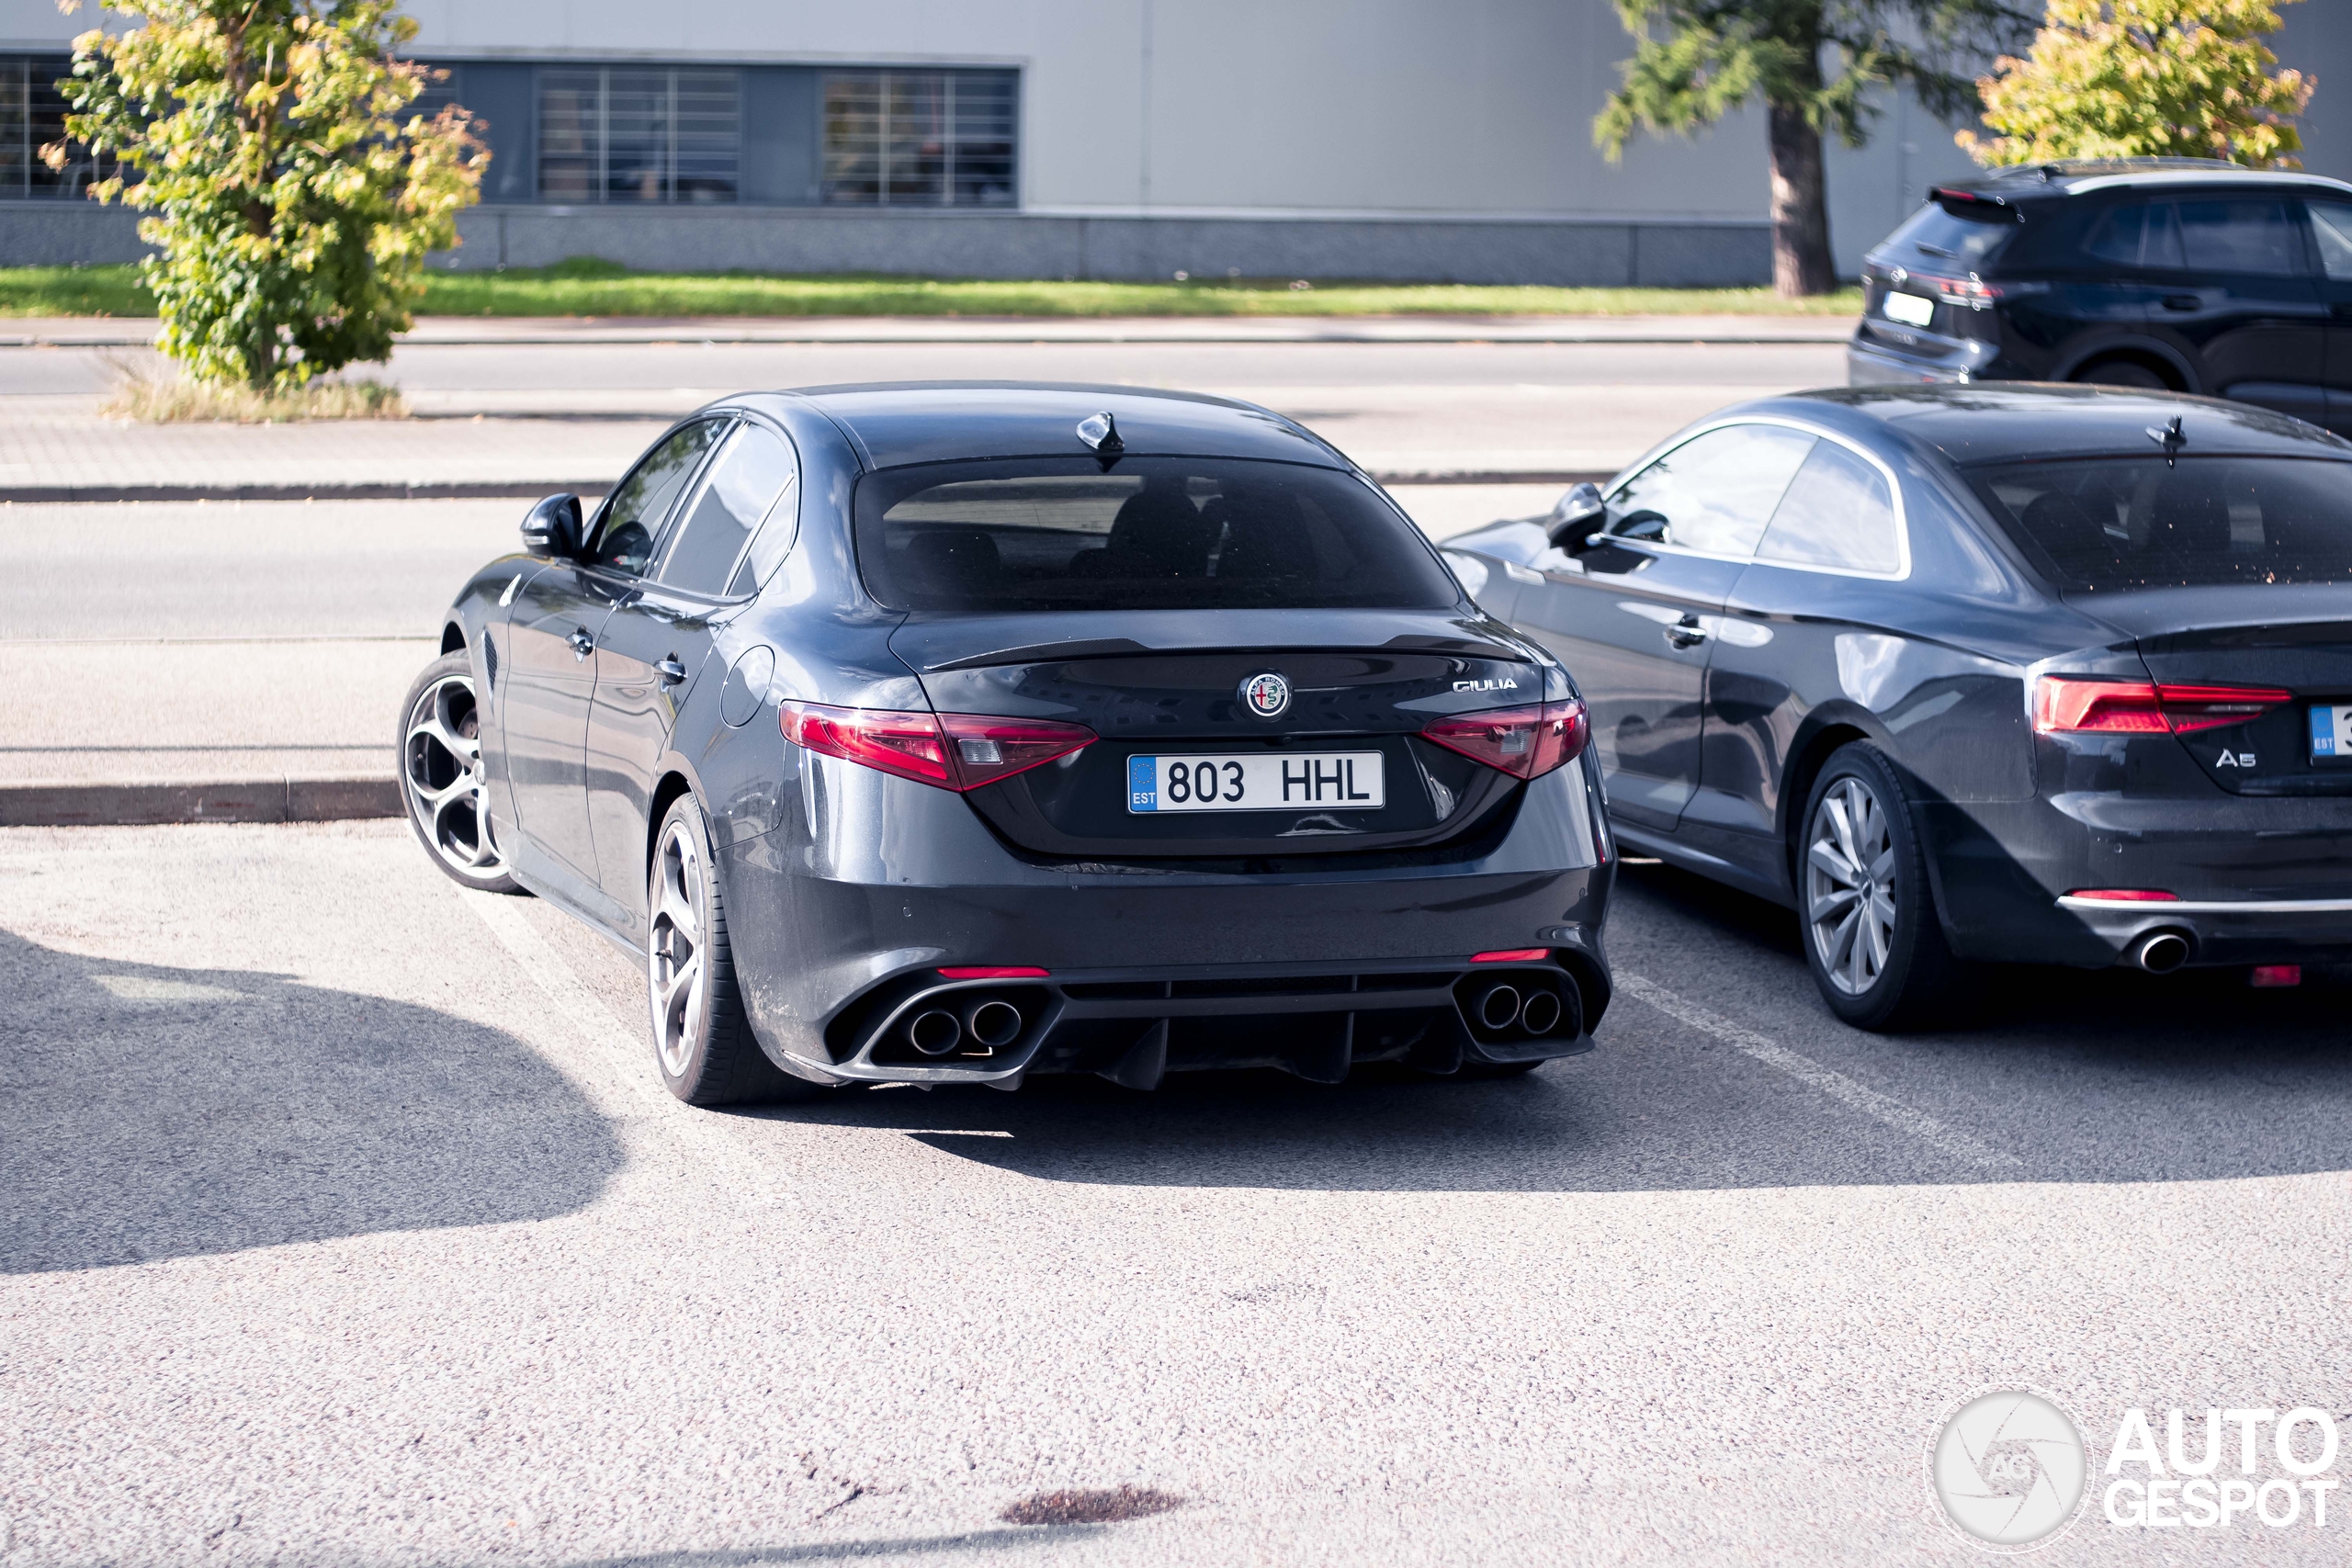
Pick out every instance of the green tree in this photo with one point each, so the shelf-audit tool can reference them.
(290, 195)
(2137, 78)
(1816, 65)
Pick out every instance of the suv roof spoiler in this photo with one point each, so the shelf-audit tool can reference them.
(1982, 206)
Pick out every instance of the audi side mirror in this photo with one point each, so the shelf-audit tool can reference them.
(552, 530)
(1576, 512)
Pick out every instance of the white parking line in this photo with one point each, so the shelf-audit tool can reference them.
(1835, 1084)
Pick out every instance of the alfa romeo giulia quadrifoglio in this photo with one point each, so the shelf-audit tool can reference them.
(2026, 673)
(955, 733)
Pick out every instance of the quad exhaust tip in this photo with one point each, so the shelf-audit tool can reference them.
(993, 1022)
(2160, 952)
(935, 1032)
(1540, 1014)
(1498, 1007)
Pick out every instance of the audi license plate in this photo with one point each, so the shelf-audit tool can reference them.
(1260, 781)
(2331, 734)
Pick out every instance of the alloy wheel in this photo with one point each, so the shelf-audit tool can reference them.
(1850, 885)
(675, 972)
(441, 770)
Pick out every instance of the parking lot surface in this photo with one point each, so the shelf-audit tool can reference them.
(348, 1223)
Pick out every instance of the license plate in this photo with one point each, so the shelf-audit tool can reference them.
(1259, 781)
(1908, 308)
(2331, 734)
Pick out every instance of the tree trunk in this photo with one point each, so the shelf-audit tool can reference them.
(1799, 207)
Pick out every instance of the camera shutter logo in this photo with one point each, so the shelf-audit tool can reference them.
(2008, 1469)
(1266, 694)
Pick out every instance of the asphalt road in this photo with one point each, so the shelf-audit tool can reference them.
(347, 1224)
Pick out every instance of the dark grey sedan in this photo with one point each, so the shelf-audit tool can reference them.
(2030, 673)
(953, 733)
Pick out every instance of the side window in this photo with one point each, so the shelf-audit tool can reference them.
(1838, 511)
(2332, 227)
(739, 490)
(2116, 237)
(2241, 237)
(631, 528)
(1713, 493)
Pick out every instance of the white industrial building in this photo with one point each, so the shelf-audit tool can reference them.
(1116, 138)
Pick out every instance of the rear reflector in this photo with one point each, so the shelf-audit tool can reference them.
(2276, 976)
(1513, 955)
(949, 751)
(994, 972)
(2127, 895)
(2068, 705)
(1526, 743)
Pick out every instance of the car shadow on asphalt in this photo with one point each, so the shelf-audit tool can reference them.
(2109, 1077)
(155, 1112)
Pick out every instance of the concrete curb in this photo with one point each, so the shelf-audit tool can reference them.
(117, 804)
(532, 490)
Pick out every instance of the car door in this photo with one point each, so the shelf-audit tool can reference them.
(557, 617)
(1632, 608)
(2242, 301)
(653, 646)
(2332, 238)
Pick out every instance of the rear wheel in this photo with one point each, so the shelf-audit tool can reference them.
(2125, 373)
(1871, 937)
(702, 1032)
(441, 775)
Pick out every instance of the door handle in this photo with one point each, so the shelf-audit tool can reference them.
(671, 671)
(1685, 633)
(581, 643)
(2183, 302)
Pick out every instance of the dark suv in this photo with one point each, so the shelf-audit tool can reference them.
(2160, 272)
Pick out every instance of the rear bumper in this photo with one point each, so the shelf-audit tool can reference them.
(1869, 365)
(2224, 932)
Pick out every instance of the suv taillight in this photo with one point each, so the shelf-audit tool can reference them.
(946, 751)
(1527, 742)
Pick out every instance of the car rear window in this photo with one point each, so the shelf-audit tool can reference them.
(2116, 522)
(1940, 240)
(1149, 533)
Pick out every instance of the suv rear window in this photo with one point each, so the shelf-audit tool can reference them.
(2115, 523)
(1048, 534)
(1939, 241)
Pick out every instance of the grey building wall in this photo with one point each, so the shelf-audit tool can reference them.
(1379, 139)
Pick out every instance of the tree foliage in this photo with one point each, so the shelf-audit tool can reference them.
(2132, 78)
(1696, 60)
(292, 194)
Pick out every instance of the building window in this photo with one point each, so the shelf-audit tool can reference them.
(635, 133)
(920, 138)
(32, 115)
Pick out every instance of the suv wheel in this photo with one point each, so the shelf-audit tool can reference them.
(1871, 937)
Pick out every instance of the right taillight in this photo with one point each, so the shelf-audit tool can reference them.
(1526, 743)
(2066, 705)
(948, 751)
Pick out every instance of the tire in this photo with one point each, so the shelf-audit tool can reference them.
(1498, 1070)
(2124, 373)
(1871, 937)
(703, 1044)
(439, 757)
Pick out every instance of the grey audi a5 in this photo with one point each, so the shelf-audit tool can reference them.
(953, 733)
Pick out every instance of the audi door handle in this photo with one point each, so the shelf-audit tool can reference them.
(583, 645)
(671, 671)
(2183, 302)
(1687, 632)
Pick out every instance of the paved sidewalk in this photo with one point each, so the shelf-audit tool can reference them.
(94, 332)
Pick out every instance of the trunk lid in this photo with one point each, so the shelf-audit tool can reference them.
(1168, 684)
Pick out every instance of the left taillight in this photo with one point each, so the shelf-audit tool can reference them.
(1526, 743)
(946, 751)
(2064, 705)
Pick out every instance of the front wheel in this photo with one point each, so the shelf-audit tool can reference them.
(1871, 937)
(441, 775)
(702, 1032)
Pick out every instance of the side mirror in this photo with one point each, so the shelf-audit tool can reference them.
(553, 528)
(1576, 512)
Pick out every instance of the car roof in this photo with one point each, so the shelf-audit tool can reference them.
(2084, 176)
(2011, 420)
(895, 423)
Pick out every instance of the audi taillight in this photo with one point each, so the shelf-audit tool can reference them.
(946, 751)
(1526, 743)
(2063, 705)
